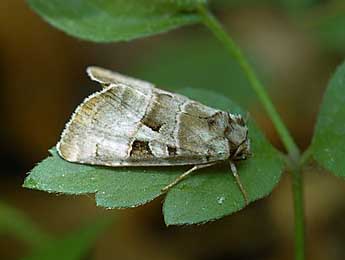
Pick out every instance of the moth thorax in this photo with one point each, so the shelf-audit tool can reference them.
(237, 134)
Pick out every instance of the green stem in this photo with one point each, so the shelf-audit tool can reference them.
(294, 154)
(217, 29)
(297, 190)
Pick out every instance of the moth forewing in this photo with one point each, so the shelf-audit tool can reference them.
(107, 77)
(132, 123)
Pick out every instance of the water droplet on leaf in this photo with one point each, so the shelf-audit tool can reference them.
(220, 200)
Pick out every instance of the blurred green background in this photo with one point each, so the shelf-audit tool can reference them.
(295, 45)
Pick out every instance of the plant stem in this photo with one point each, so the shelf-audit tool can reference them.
(297, 190)
(294, 154)
(217, 29)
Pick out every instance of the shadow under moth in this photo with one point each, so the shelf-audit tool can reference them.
(130, 122)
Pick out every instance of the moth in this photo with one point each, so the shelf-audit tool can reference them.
(130, 122)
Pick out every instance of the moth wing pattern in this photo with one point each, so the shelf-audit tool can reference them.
(132, 123)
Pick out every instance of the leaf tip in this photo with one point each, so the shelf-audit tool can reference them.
(30, 183)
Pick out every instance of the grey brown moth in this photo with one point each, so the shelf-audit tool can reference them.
(130, 122)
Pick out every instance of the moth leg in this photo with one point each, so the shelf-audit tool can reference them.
(184, 175)
(238, 181)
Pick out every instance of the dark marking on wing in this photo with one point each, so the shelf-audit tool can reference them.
(140, 149)
(215, 120)
(211, 122)
(241, 121)
(238, 120)
(172, 150)
(149, 122)
(155, 116)
(105, 85)
(97, 151)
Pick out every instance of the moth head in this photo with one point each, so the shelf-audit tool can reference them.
(237, 134)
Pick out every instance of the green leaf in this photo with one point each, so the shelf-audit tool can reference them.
(116, 20)
(75, 245)
(328, 145)
(209, 194)
(13, 222)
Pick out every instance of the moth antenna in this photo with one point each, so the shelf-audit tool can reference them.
(238, 181)
(246, 118)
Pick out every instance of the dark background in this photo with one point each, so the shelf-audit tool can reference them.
(42, 80)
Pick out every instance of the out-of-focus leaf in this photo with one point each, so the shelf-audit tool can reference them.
(331, 32)
(328, 145)
(296, 5)
(116, 20)
(14, 223)
(289, 5)
(75, 245)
